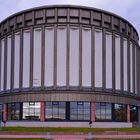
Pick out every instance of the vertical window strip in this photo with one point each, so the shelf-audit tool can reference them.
(37, 43)
(86, 57)
(49, 56)
(98, 58)
(26, 59)
(16, 60)
(2, 63)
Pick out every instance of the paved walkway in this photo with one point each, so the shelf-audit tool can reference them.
(68, 137)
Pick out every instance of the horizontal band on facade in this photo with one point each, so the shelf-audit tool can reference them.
(69, 96)
(56, 14)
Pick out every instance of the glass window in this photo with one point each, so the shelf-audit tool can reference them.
(125, 78)
(79, 111)
(37, 57)
(133, 114)
(26, 58)
(103, 111)
(16, 60)
(131, 68)
(117, 63)
(98, 58)
(55, 111)
(74, 56)
(108, 60)
(86, 57)
(2, 64)
(120, 112)
(8, 63)
(31, 110)
(61, 56)
(14, 111)
(49, 56)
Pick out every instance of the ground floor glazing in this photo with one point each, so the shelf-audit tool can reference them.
(70, 111)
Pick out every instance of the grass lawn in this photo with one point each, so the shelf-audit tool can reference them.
(68, 130)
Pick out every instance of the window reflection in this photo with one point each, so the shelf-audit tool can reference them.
(133, 114)
(103, 111)
(119, 112)
(55, 110)
(13, 111)
(31, 111)
(79, 111)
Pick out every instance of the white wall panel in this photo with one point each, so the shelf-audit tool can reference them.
(2, 64)
(117, 63)
(74, 57)
(98, 58)
(125, 71)
(37, 57)
(108, 60)
(86, 57)
(136, 69)
(131, 67)
(8, 63)
(61, 56)
(49, 56)
(16, 60)
(26, 59)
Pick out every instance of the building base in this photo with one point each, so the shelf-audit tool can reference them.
(69, 124)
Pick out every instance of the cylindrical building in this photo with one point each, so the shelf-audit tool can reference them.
(67, 66)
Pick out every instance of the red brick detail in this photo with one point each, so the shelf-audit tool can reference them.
(42, 111)
(92, 111)
(128, 113)
(5, 109)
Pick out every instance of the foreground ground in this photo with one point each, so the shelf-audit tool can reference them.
(44, 139)
(32, 133)
(66, 130)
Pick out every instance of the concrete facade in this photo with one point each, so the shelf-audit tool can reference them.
(64, 53)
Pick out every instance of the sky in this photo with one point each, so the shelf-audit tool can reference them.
(128, 9)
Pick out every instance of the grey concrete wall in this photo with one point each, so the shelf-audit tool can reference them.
(69, 124)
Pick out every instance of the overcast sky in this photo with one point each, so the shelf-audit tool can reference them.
(128, 9)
